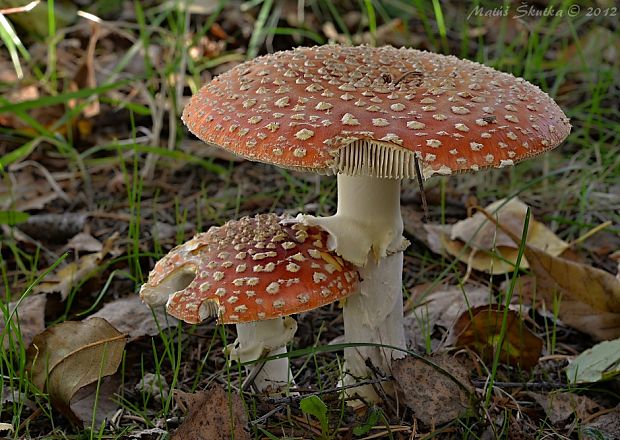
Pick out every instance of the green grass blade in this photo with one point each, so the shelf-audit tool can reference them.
(59, 99)
(11, 41)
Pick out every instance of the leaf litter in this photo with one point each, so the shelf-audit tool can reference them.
(487, 329)
(588, 297)
(66, 278)
(561, 406)
(487, 248)
(71, 355)
(132, 317)
(441, 307)
(212, 414)
(596, 364)
(437, 391)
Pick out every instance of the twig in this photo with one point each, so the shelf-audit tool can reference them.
(249, 381)
(291, 399)
(415, 73)
(527, 385)
(418, 175)
(265, 416)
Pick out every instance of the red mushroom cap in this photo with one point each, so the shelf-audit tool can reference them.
(253, 269)
(300, 108)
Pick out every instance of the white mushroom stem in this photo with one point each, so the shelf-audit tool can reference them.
(368, 221)
(262, 339)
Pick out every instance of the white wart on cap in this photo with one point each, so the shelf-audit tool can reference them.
(367, 111)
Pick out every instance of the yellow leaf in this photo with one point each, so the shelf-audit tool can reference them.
(485, 247)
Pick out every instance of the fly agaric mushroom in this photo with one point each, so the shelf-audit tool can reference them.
(253, 272)
(368, 115)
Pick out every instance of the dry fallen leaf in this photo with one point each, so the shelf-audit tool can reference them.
(130, 316)
(441, 307)
(212, 414)
(25, 189)
(68, 276)
(606, 427)
(55, 228)
(589, 298)
(72, 355)
(480, 329)
(30, 314)
(433, 396)
(475, 240)
(560, 406)
(84, 242)
(99, 396)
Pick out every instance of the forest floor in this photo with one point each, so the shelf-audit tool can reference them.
(100, 179)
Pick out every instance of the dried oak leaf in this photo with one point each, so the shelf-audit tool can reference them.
(480, 329)
(69, 276)
(486, 247)
(71, 355)
(101, 397)
(438, 393)
(440, 307)
(559, 406)
(212, 415)
(589, 298)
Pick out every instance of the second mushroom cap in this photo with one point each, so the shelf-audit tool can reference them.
(248, 270)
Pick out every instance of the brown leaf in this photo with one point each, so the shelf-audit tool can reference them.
(480, 328)
(485, 247)
(30, 313)
(607, 426)
(441, 307)
(55, 228)
(26, 189)
(589, 298)
(132, 317)
(560, 406)
(430, 393)
(71, 355)
(84, 242)
(71, 274)
(100, 397)
(212, 414)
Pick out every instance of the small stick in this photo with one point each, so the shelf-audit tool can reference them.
(291, 399)
(526, 385)
(249, 381)
(406, 74)
(418, 174)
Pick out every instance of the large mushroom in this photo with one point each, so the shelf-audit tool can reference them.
(368, 114)
(252, 272)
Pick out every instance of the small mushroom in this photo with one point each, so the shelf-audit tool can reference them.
(368, 115)
(253, 272)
